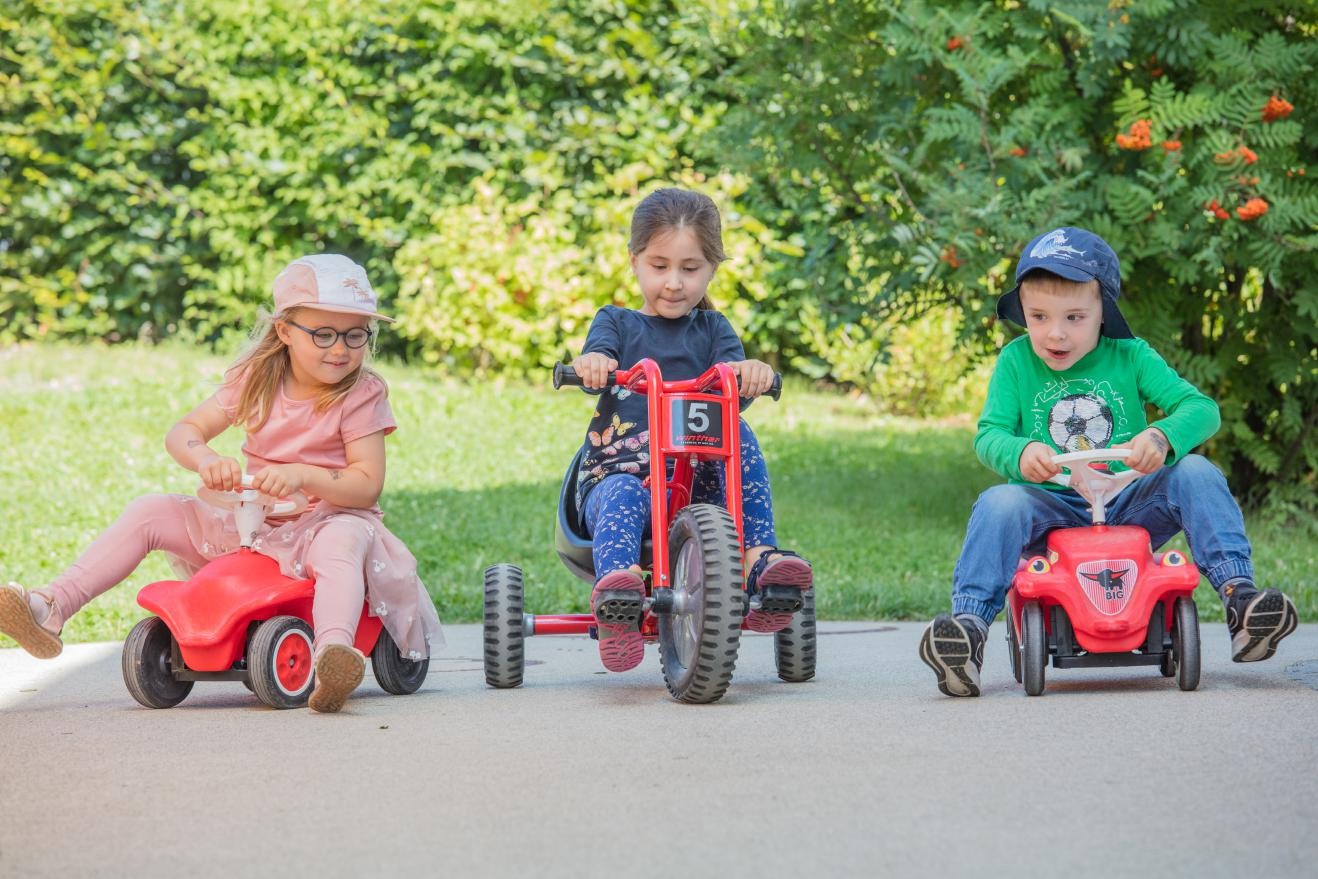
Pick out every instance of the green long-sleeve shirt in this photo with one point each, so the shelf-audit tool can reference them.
(1097, 403)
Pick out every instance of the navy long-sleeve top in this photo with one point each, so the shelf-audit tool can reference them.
(618, 440)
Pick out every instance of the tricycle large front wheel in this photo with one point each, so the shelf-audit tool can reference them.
(699, 637)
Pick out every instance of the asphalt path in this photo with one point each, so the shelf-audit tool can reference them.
(866, 770)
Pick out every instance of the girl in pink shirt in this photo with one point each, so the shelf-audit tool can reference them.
(315, 418)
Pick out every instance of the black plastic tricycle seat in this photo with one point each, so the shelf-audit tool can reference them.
(570, 539)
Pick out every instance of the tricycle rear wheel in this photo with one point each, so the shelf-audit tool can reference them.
(505, 633)
(699, 638)
(794, 646)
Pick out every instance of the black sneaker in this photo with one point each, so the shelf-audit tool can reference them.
(1257, 621)
(956, 654)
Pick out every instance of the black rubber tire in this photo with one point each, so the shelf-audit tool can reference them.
(1034, 655)
(794, 646)
(505, 633)
(704, 537)
(146, 665)
(396, 675)
(1013, 649)
(263, 661)
(1185, 642)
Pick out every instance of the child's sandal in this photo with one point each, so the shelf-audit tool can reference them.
(339, 671)
(775, 584)
(18, 622)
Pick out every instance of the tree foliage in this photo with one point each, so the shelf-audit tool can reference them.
(913, 148)
(161, 161)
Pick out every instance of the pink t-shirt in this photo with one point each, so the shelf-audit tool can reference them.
(295, 433)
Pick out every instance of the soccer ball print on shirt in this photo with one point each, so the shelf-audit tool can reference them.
(1079, 414)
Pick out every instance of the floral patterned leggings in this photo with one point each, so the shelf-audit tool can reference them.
(617, 509)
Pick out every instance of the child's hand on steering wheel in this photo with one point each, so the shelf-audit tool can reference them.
(1148, 450)
(1037, 463)
(756, 377)
(219, 473)
(278, 480)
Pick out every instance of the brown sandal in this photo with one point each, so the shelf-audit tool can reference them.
(339, 671)
(17, 621)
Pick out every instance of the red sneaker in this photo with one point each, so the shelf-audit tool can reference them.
(775, 584)
(618, 601)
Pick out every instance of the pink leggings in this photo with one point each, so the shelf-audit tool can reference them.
(336, 559)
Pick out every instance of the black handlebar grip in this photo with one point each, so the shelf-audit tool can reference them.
(566, 375)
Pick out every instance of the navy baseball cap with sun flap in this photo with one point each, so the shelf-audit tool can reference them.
(1077, 255)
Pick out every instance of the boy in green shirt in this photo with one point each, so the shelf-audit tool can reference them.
(1079, 380)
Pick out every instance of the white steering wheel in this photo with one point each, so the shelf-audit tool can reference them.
(1095, 486)
(229, 500)
(251, 507)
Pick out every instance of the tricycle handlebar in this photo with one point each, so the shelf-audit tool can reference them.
(565, 375)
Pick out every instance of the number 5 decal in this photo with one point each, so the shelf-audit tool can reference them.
(696, 423)
(697, 417)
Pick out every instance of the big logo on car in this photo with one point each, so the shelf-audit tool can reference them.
(1108, 583)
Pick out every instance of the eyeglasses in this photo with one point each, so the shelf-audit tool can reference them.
(326, 337)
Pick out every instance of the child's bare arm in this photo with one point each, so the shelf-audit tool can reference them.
(357, 485)
(187, 441)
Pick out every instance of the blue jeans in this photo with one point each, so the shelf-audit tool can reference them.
(617, 508)
(1009, 521)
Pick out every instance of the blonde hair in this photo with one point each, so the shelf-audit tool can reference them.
(1045, 282)
(262, 368)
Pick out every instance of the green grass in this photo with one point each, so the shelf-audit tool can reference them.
(878, 504)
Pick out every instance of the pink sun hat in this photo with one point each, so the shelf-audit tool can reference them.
(328, 281)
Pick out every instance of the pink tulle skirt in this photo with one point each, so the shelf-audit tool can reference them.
(394, 592)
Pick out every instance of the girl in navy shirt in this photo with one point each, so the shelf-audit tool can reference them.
(676, 246)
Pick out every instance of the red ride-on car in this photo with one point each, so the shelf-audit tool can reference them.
(240, 619)
(695, 598)
(1101, 596)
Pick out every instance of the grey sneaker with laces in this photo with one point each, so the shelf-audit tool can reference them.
(1257, 620)
(955, 652)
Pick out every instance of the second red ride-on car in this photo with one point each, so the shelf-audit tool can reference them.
(1100, 596)
(695, 596)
